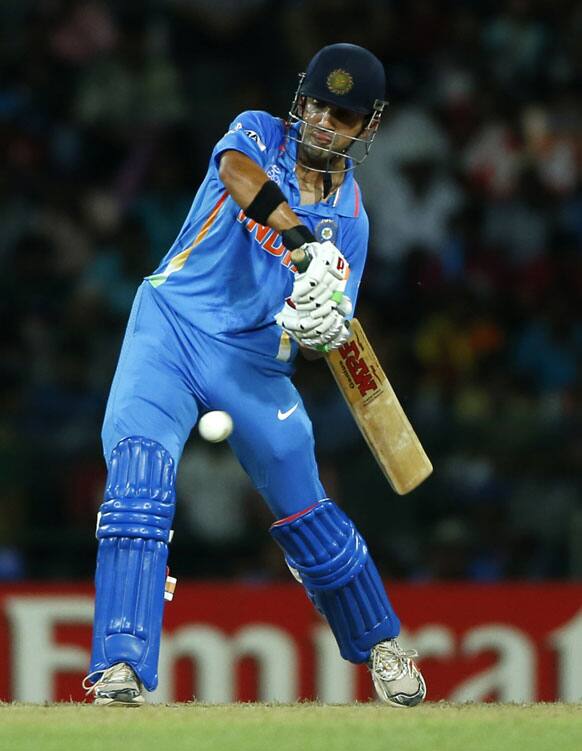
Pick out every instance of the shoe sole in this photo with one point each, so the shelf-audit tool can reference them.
(123, 697)
(119, 702)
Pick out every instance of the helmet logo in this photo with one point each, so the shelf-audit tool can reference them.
(340, 81)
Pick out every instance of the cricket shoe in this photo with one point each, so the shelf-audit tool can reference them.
(396, 678)
(118, 686)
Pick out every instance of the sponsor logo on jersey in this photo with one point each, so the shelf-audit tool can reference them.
(269, 239)
(284, 415)
(237, 127)
(253, 135)
(274, 174)
(357, 368)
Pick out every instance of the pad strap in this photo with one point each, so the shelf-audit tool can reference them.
(133, 532)
(334, 564)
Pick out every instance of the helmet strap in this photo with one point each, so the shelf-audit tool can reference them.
(327, 184)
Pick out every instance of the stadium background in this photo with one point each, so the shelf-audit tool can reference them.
(108, 111)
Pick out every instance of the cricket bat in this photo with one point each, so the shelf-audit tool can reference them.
(378, 413)
(375, 406)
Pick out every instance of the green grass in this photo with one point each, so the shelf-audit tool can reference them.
(297, 727)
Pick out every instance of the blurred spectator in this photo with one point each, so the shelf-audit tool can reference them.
(212, 486)
(135, 85)
(410, 195)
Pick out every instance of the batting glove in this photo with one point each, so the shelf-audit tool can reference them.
(340, 338)
(325, 276)
(310, 329)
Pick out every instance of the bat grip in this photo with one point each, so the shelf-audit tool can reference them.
(301, 257)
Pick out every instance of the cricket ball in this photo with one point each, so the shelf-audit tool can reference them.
(215, 426)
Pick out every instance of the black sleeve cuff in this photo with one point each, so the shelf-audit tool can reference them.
(297, 236)
(268, 197)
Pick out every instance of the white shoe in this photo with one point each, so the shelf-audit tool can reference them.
(396, 678)
(118, 686)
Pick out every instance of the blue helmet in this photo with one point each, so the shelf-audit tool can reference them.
(345, 75)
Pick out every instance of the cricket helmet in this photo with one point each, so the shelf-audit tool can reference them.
(346, 76)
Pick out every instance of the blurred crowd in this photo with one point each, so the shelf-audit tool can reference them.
(108, 111)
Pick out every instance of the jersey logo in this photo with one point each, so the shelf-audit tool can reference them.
(253, 135)
(326, 230)
(274, 174)
(237, 127)
(285, 415)
(268, 238)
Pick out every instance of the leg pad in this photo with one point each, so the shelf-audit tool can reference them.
(332, 559)
(133, 532)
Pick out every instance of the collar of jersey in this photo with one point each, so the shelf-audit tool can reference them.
(345, 204)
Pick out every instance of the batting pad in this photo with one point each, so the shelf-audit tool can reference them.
(332, 559)
(133, 533)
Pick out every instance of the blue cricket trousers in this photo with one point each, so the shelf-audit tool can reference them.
(169, 373)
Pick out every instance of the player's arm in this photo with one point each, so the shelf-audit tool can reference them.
(312, 314)
(262, 200)
(245, 180)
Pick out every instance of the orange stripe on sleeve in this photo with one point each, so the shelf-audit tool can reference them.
(210, 221)
(177, 263)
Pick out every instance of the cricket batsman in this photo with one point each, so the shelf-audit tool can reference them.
(217, 327)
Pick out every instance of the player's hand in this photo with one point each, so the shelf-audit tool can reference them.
(340, 338)
(308, 330)
(301, 324)
(325, 276)
(337, 302)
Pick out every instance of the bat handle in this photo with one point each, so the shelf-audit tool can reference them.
(301, 257)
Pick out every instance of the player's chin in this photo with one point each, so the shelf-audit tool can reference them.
(316, 155)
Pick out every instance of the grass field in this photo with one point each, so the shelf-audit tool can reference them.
(297, 727)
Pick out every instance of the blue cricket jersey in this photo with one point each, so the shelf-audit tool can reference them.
(227, 275)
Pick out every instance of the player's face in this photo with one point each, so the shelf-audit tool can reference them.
(328, 128)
